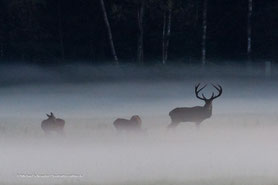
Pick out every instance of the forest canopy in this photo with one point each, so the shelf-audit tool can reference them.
(144, 31)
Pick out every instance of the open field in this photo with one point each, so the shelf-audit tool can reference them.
(238, 145)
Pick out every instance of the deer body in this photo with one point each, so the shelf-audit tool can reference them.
(53, 124)
(190, 114)
(195, 114)
(134, 123)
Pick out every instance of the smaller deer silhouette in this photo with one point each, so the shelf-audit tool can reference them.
(195, 114)
(132, 124)
(53, 124)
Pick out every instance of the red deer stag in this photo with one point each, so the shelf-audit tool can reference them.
(133, 124)
(53, 124)
(195, 114)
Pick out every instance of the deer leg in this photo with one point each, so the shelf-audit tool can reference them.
(198, 124)
(60, 132)
(173, 125)
(46, 133)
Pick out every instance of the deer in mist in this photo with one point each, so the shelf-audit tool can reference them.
(132, 124)
(195, 114)
(53, 124)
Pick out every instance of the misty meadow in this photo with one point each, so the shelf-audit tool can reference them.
(117, 92)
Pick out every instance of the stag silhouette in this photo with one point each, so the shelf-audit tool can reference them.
(53, 124)
(132, 124)
(195, 114)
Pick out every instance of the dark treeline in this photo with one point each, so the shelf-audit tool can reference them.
(143, 31)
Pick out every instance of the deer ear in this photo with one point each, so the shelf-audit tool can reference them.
(51, 114)
(47, 115)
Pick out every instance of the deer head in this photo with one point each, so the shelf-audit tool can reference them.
(136, 119)
(51, 116)
(208, 101)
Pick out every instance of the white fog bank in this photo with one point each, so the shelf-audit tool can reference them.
(237, 145)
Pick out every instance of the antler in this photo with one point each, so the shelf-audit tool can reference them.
(198, 90)
(51, 115)
(219, 89)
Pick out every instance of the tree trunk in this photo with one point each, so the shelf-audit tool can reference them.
(163, 38)
(61, 33)
(1, 45)
(249, 30)
(140, 46)
(116, 61)
(168, 30)
(2, 50)
(204, 37)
